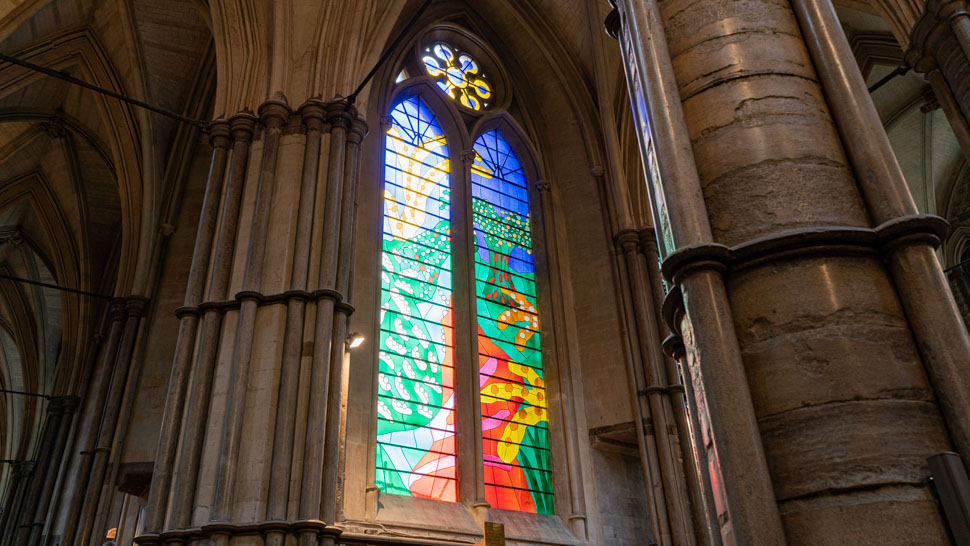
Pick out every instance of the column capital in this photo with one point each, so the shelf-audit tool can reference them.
(468, 157)
(116, 309)
(70, 404)
(242, 126)
(357, 130)
(543, 186)
(627, 239)
(135, 305)
(26, 467)
(55, 405)
(313, 114)
(219, 134)
(339, 114)
(274, 112)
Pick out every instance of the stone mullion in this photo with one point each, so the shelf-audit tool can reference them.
(197, 406)
(273, 115)
(135, 308)
(76, 478)
(908, 239)
(468, 407)
(645, 428)
(280, 474)
(678, 194)
(701, 501)
(188, 330)
(46, 489)
(311, 492)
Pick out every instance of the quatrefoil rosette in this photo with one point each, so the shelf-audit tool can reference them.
(458, 76)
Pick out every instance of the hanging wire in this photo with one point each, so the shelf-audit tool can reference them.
(351, 98)
(56, 287)
(71, 79)
(8, 391)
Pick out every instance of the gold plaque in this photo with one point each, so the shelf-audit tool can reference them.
(494, 534)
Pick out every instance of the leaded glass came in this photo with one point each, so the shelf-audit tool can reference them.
(458, 75)
(515, 418)
(416, 449)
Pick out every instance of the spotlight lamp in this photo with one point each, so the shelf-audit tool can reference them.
(354, 340)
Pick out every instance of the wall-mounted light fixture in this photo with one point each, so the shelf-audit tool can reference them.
(354, 340)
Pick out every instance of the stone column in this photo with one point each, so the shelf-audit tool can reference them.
(10, 500)
(939, 48)
(37, 517)
(188, 326)
(802, 355)
(683, 225)
(313, 115)
(196, 409)
(23, 472)
(134, 309)
(72, 491)
(55, 410)
(908, 239)
(246, 384)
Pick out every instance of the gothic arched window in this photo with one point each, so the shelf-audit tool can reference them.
(459, 297)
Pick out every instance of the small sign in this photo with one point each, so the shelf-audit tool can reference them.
(494, 534)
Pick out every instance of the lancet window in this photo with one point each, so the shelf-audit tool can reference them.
(419, 408)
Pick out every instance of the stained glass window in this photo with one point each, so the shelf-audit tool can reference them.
(515, 419)
(458, 76)
(416, 449)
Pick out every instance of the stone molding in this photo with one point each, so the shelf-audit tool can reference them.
(819, 241)
(266, 299)
(185, 536)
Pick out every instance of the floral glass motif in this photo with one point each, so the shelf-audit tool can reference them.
(515, 419)
(416, 391)
(458, 75)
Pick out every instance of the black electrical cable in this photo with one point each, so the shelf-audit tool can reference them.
(71, 79)
(899, 71)
(387, 52)
(57, 287)
(954, 266)
(25, 393)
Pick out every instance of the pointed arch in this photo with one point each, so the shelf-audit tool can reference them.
(79, 52)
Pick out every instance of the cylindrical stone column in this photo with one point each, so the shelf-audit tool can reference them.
(909, 240)
(10, 499)
(183, 494)
(685, 232)
(76, 479)
(55, 410)
(841, 400)
(311, 492)
(338, 347)
(312, 114)
(939, 48)
(705, 525)
(134, 308)
(188, 329)
(38, 517)
(273, 115)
